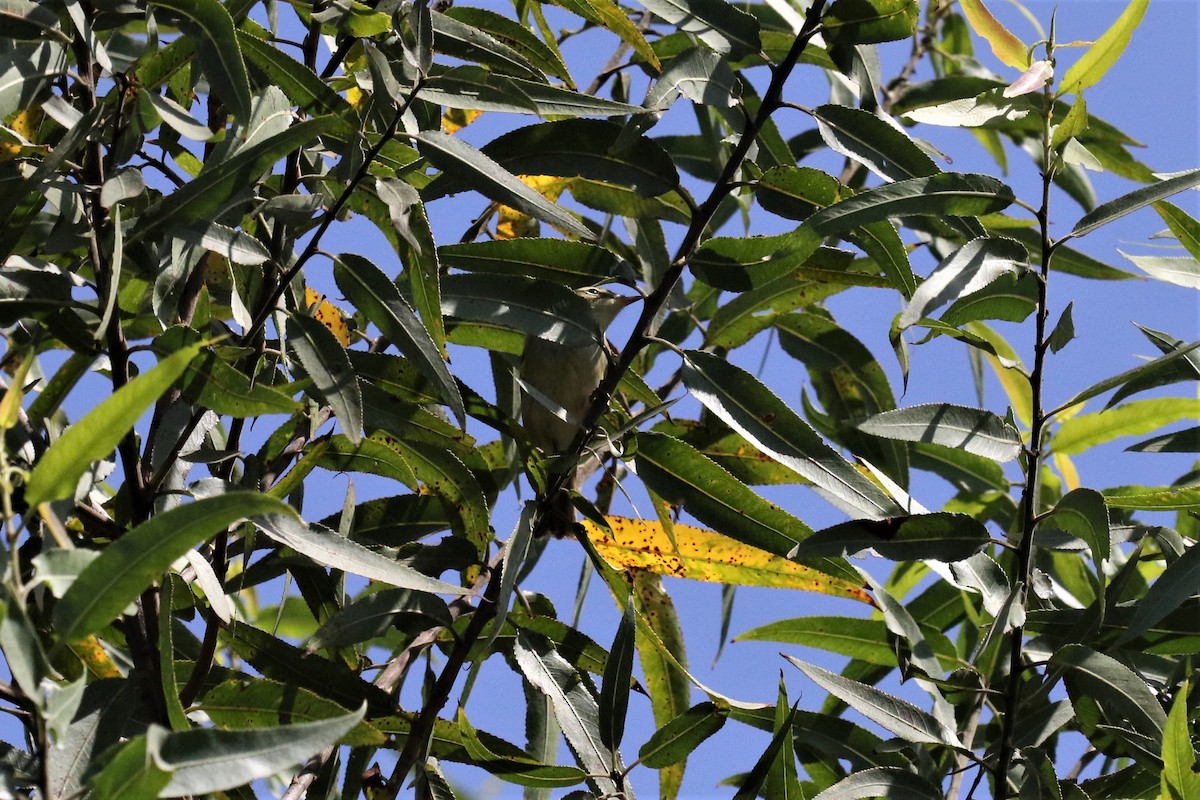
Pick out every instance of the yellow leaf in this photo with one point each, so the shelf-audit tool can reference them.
(1066, 468)
(704, 555)
(356, 97)
(1007, 47)
(455, 119)
(94, 658)
(513, 224)
(328, 315)
(1092, 65)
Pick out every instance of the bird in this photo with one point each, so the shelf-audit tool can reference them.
(567, 377)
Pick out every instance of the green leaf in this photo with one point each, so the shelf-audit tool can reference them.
(1104, 52)
(329, 367)
(493, 181)
(537, 308)
(592, 149)
(246, 702)
(1007, 47)
(1064, 330)
(885, 150)
(575, 706)
(1185, 228)
(968, 269)
(729, 31)
(375, 614)
(208, 760)
(1166, 498)
(1182, 271)
(618, 672)
(941, 536)
(1179, 777)
(1169, 368)
(517, 37)
(302, 86)
(750, 408)
(1123, 696)
(851, 22)
(680, 475)
(944, 194)
(132, 563)
(901, 718)
(1179, 581)
(1139, 416)
(21, 645)
(862, 639)
(218, 52)
(476, 89)
(1184, 441)
(890, 782)
(328, 549)
(1126, 204)
(679, 738)
(459, 39)
(971, 429)
(576, 264)
(129, 773)
(1081, 512)
(381, 302)
(213, 187)
(57, 473)
(753, 782)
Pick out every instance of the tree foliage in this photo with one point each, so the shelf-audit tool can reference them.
(229, 278)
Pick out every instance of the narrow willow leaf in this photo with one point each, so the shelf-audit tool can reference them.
(901, 718)
(677, 739)
(326, 362)
(726, 29)
(132, 563)
(855, 22)
(461, 40)
(302, 86)
(1179, 581)
(1166, 365)
(1182, 271)
(210, 760)
(1179, 777)
(1166, 498)
(1104, 52)
(247, 702)
(511, 764)
(1123, 696)
(1184, 227)
(614, 691)
(752, 784)
(21, 645)
(375, 614)
(700, 75)
(1137, 199)
(1184, 441)
(533, 307)
(861, 639)
(218, 54)
(750, 408)
(575, 706)
(971, 429)
(330, 550)
(129, 773)
(516, 36)
(890, 782)
(1064, 330)
(940, 536)
(944, 194)
(607, 14)
(1082, 513)
(576, 264)
(885, 150)
(1007, 47)
(1085, 431)
(485, 175)
(698, 554)
(57, 473)
(968, 269)
(680, 475)
(379, 299)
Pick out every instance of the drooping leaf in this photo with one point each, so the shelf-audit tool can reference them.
(941, 536)
(483, 174)
(726, 29)
(57, 473)
(218, 52)
(377, 298)
(1179, 778)
(901, 718)
(851, 22)
(968, 269)
(750, 408)
(1007, 47)
(698, 554)
(614, 692)
(862, 639)
(326, 362)
(132, 563)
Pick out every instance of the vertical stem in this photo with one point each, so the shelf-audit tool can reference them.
(1034, 458)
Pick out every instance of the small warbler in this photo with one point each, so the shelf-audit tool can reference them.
(566, 377)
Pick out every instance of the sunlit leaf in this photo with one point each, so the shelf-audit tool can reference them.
(1085, 431)
(974, 430)
(1105, 51)
(1007, 47)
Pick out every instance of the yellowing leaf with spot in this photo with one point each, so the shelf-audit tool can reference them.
(328, 315)
(704, 555)
(94, 658)
(455, 119)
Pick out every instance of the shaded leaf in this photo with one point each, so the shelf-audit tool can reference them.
(940, 536)
(327, 364)
(219, 54)
(1128, 203)
(1123, 696)
(680, 737)
(890, 782)
(728, 30)
(1179, 581)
